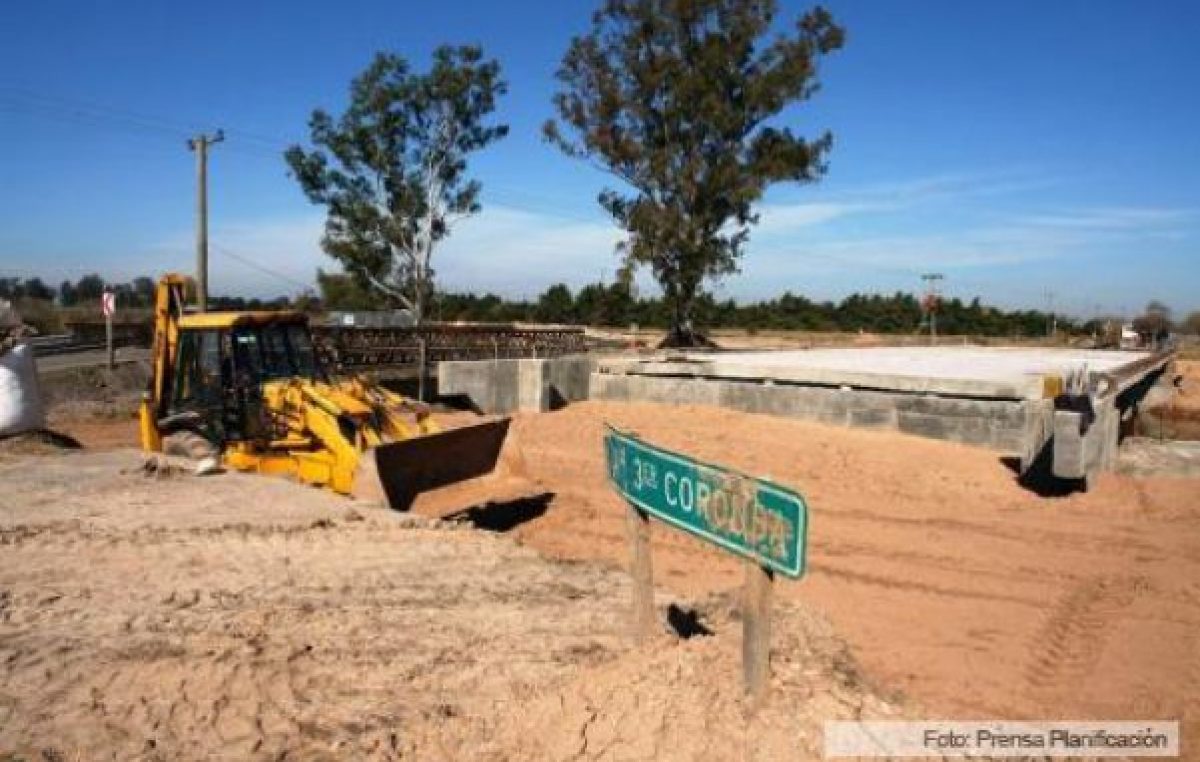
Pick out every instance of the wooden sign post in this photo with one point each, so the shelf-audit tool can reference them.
(763, 522)
(641, 569)
(756, 631)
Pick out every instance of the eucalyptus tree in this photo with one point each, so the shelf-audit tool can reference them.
(683, 102)
(392, 169)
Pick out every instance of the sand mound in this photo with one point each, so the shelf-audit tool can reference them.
(1189, 384)
(681, 699)
(241, 617)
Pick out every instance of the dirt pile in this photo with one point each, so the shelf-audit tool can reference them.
(682, 699)
(242, 617)
(1188, 372)
(1171, 411)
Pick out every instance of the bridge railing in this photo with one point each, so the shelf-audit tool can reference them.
(359, 348)
(348, 348)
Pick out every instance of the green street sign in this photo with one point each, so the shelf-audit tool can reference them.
(752, 517)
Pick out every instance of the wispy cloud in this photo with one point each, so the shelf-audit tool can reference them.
(938, 221)
(953, 185)
(504, 249)
(1114, 218)
(778, 219)
(904, 254)
(1007, 241)
(872, 201)
(520, 251)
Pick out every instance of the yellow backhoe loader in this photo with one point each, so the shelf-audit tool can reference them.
(248, 389)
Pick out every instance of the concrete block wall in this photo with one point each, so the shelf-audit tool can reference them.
(507, 386)
(567, 380)
(532, 383)
(1087, 443)
(1083, 447)
(1001, 425)
(1039, 431)
(491, 386)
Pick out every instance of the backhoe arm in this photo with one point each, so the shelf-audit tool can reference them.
(169, 303)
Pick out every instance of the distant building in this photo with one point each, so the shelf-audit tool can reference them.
(1129, 337)
(1142, 334)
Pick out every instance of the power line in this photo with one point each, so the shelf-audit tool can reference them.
(96, 114)
(163, 134)
(261, 268)
(88, 115)
(242, 141)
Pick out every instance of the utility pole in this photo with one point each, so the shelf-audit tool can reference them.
(199, 145)
(931, 301)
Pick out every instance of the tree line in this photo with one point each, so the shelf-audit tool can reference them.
(83, 292)
(611, 305)
(84, 295)
(50, 309)
(614, 306)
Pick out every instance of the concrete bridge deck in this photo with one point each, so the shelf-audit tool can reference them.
(983, 372)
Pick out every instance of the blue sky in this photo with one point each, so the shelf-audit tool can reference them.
(1034, 152)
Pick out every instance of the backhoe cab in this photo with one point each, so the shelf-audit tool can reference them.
(248, 388)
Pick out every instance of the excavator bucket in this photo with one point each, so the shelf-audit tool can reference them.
(396, 473)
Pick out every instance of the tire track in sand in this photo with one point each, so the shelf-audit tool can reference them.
(1073, 636)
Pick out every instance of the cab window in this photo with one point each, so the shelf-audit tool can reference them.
(248, 356)
(275, 351)
(198, 370)
(276, 363)
(303, 354)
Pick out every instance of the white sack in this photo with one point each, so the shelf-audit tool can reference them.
(21, 406)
